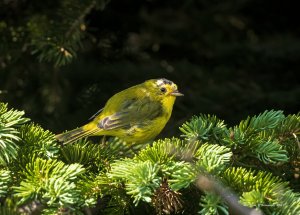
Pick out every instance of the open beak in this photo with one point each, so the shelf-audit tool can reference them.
(176, 93)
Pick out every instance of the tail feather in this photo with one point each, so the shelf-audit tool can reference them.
(73, 135)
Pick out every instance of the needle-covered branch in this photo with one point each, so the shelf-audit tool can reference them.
(214, 169)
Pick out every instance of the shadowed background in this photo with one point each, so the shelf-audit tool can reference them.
(231, 59)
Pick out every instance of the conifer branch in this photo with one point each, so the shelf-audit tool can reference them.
(204, 128)
(51, 179)
(5, 181)
(79, 20)
(140, 178)
(213, 158)
(220, 194)
(53, 182)
(10, 120)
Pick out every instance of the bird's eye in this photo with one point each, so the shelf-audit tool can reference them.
(163, 89)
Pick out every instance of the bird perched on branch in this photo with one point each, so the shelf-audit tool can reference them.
(137, 114)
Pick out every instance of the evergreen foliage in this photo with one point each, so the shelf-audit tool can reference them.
(256, 159)
(52, 35)
(5, 180)
(10, 120)
(212, 204)
(51, 182)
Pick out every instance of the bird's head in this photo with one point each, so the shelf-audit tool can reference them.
(163, 88)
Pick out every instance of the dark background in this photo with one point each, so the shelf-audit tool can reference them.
(229, 58)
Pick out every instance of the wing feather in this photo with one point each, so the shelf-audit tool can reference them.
(96, 114)
(134, 112)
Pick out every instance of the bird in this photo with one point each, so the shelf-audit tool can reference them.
(136, 115)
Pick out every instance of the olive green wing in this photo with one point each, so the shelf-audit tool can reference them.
(132, 112)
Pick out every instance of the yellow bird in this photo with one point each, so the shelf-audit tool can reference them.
(137, 114)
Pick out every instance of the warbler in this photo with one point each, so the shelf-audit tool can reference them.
(137, 114)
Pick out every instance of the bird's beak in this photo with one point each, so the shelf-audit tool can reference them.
(176, 93)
